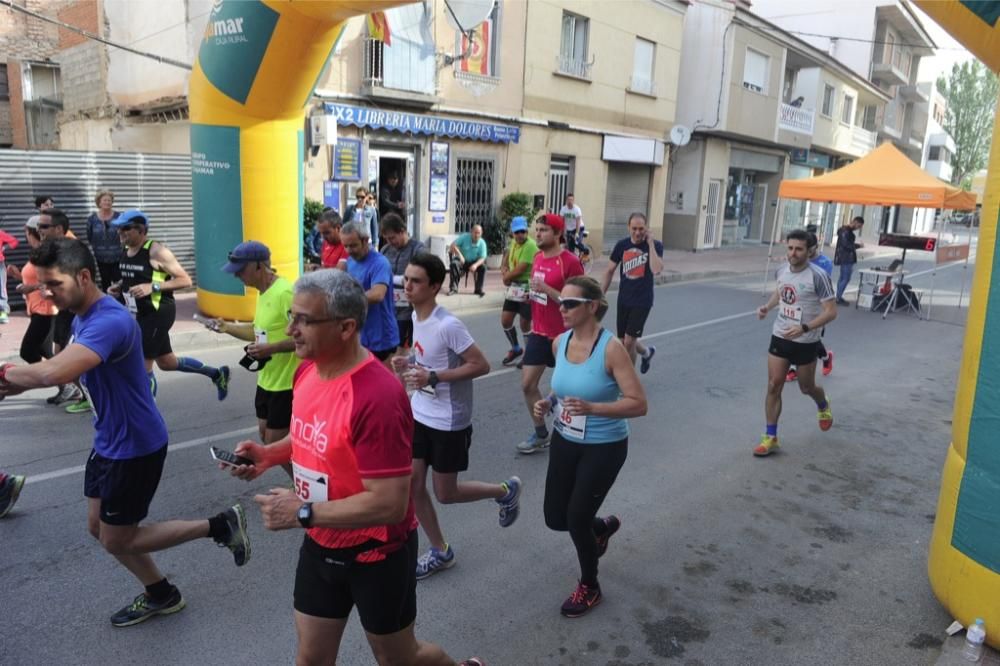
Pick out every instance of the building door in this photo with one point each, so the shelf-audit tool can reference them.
(559, 169)
(759, 211)
(382, 165)
(712, 220)
(627, 193)
(475, 185)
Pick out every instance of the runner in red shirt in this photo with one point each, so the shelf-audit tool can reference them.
(334, 252)
(552, 266)
(351, 455)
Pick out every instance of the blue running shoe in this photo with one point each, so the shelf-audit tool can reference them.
(434, 561)
(647, 360)
(144, 608)
(534, 443)
(509, 508)
(222, 382)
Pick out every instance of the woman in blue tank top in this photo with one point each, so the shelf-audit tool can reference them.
(594, 390)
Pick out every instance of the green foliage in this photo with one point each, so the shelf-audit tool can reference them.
(497, 231)
(311, 211)
(971, 91)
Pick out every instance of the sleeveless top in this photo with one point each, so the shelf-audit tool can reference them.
(138, 269)
(588, 381)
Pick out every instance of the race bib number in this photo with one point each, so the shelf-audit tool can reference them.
(400, 298)
(130, 303)
(574, 426)
(791, 313)
(260, 337)
(516, 293)
(537, 296)
(310, 485)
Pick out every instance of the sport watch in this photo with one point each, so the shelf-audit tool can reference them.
(305, 515)
(432, 379)
(156, 287)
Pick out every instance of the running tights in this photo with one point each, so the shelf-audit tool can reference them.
(37, 341)
(578, 479)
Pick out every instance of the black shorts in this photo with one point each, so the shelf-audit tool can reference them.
(384, 354)
(155, 327)
(444, 451)
(797, 353)
(538, 351)
(631, 321)
(275, 407)
(385, 592)
(523, 309)
(62, 328)
(125, 487)
(405, 332)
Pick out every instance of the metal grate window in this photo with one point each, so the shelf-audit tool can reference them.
(474, 186)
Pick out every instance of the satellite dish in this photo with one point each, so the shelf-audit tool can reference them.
(464, 15)
(680, 135)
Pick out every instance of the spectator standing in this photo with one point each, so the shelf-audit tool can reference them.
(103, 238)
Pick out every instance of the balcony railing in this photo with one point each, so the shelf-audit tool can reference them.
(403, 68)
(640, 84)
(794, 119)
(862, 140)
(374, 63)
(574, 66)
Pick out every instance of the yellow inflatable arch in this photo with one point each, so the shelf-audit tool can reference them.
(257, 67)
(964, 560)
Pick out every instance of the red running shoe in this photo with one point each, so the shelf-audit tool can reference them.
(828, 363)
(792, 375)
(584, 598)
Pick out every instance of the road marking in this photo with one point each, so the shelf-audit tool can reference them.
(69, 471)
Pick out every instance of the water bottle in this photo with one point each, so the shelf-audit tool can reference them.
(975, 635)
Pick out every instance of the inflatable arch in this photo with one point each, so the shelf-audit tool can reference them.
(257, 66)
(964, 559)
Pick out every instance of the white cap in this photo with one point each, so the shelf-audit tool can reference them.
(32, 222)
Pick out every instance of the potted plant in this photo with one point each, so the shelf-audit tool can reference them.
(495, 234)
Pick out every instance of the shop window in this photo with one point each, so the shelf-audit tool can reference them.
(474, 193)
(847, 110)
(642, 67)
(755, 70)
(828, 97)
(574, 45)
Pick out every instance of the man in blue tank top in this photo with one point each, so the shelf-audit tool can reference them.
(130, 442)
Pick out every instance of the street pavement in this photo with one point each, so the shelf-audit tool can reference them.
(815, 555)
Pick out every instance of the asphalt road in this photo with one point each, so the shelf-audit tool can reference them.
(815, 555)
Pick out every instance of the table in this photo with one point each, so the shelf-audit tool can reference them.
(874, 280)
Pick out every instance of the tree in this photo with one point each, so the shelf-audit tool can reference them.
(971, 91)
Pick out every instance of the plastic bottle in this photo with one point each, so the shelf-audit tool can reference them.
(975, 635)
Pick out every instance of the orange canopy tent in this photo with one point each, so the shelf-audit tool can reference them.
(883, 177)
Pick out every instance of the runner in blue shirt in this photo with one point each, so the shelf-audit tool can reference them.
(130, 442)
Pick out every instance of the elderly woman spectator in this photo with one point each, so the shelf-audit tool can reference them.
(103, 238)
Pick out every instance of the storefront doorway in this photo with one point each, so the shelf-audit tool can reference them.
(391, 177)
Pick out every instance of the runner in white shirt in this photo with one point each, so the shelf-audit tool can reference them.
(439, 370)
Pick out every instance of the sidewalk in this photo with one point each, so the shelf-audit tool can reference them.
(679, 266)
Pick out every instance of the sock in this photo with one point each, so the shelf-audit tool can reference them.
(541, 432)
(772, 430)
(511, 334)
(645, 353)
(153, 384)
(160, 590)
(188, 364)
(821, 406)
(217, 528)
(444, 550)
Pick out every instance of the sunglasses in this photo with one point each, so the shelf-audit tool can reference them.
(571, 302)
(45, 226)
(128, 227)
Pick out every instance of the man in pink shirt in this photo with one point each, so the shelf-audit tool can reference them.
(552, 266)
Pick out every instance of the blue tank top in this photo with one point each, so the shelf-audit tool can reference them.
(588, 381)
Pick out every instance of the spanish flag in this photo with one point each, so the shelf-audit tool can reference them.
(478, 60)
(378, 28)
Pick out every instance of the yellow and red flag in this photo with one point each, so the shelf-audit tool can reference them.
(378, 28)
(478, 61)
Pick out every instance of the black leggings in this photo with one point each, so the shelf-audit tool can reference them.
(579, 477)
(37, 341)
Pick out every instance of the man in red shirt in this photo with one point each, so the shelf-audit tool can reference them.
(6, 240)
(328, 225)
(552, 266)
(351, 455)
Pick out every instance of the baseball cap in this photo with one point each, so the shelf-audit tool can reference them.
(555, 221)
(32, 222)
(133, 216)
(519, 223)
(245, 253)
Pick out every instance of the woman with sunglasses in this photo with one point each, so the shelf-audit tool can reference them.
(594, 390)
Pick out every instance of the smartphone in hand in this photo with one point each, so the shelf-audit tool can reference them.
(227, 458)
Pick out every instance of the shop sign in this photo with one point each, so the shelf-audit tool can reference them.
(347, 160)
(414, 123)
(810, 158)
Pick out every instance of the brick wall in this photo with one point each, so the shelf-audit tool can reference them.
(27, 38)
(84, 14)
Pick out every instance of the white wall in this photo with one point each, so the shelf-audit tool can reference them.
(701, 65)
(684, 197)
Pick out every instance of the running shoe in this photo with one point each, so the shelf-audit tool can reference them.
(221, 382)
(767, 446)
(828, 363)
(10, 489)
(237, 540)
(613, 524)
(473, 661)
(792, 375)
(4, 317)
(520, 364)
(509, 508)
(434, 561)
(534, 443)
(143, 608)
(511, 356)
(584, 598)
(825, 416)
(841, 301)
(647, 360)
(81, 406)
(66, 393)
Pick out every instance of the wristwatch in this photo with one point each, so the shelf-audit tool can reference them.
(805, 327)
(305, 515)
(156, 287)
(432, 379)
